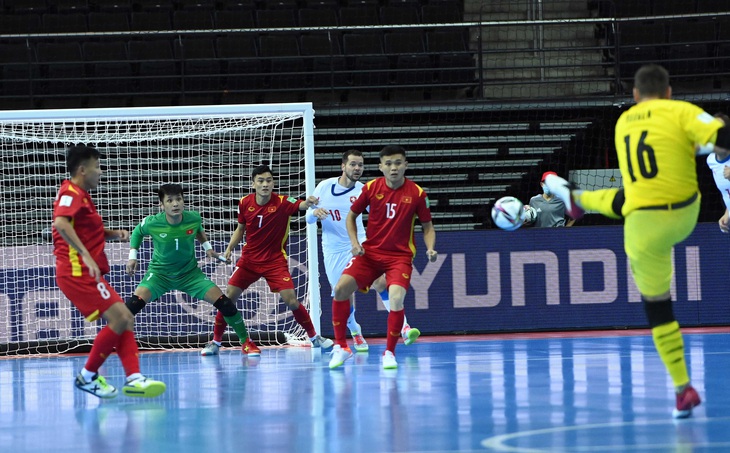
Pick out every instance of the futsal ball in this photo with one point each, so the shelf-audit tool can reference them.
(530, 215)
(507, 213)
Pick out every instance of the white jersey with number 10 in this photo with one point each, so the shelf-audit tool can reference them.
(337, 200)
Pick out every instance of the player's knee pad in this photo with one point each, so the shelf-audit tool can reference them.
(659, 313)
(225, 306)
(618, 202)
(135, 304)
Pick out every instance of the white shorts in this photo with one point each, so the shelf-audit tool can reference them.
(334, 264)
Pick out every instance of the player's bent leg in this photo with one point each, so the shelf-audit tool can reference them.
(232, 316)
(608, 202)
(565, 192)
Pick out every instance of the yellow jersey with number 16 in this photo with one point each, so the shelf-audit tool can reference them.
(655, 143)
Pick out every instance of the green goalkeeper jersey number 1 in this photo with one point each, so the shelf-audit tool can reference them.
(173, 245)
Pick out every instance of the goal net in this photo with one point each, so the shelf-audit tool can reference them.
(211, 151)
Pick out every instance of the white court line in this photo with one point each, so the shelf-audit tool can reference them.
(497, 443)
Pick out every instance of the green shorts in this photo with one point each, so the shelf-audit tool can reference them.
(194, 283)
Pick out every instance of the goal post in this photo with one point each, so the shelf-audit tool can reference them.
(210, 151)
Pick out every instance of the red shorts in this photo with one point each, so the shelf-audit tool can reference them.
(92, 298)
(368, 267)
(276, 274)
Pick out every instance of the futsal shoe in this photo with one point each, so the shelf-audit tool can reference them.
(410, 334)
(320, 342)
(210, 349)
(339, 355)
(97, 386)
(250, 349)
(389, 362)
(686, 400)
(564, 191)
(359, 342)
(143, 387)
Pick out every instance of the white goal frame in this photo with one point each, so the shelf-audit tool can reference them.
(80, 116)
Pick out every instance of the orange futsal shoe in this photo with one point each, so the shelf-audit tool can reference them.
(250, 349)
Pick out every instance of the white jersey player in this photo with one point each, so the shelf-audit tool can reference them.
(335, 196)
(720, 167)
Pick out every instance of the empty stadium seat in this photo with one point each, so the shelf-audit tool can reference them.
(65, 23)
(243, 67)
(286, 67)
(369, 64)
(109, 68)
(192, 20)
(63, 68)
(18, 66)
(234, 19)
(108, 21)
(201, 68)
(156, 68)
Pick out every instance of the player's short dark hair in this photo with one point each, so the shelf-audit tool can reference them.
(260, 170)
(171, 190)
(78, 154)
(651, 80)
(391, 150)
(350, 152)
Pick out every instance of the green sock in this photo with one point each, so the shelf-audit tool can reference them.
(236, 321)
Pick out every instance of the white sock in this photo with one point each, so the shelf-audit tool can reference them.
(385, 298)
(134, 376)
(352, 323)
(218, 343)
(87, 375)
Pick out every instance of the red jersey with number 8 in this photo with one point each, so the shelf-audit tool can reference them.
(392, 216)
(75, 203)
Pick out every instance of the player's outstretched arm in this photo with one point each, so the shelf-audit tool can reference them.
(120, 235)
(429, 237)
(351, 223)
(209, 252)
(235, 240)
(308, 203)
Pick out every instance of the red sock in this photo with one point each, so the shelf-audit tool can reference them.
(340, 313)
(395, 324)
(219, 328)
(128, 353)
(103, 346)
(302, 316)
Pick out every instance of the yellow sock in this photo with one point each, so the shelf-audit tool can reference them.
(597, 200)
(670, 346)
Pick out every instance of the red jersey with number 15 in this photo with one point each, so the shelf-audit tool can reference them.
(75, 203)
(392, 216)
(267, 226)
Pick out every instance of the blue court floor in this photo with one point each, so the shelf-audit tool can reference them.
(461, 394)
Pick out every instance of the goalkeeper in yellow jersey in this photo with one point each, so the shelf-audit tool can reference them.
(174, 265)
(656, 142)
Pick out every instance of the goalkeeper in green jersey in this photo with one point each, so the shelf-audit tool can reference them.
(174, 266)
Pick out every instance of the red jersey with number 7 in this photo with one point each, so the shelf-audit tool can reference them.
(392, 216)
(75, 203)
(267, 226)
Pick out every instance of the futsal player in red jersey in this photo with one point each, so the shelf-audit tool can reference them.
(263, 217)
(395, 202)
(79, 237)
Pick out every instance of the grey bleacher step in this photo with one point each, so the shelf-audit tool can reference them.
(542, 90)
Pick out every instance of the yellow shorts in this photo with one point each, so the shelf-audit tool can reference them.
(649, 236)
